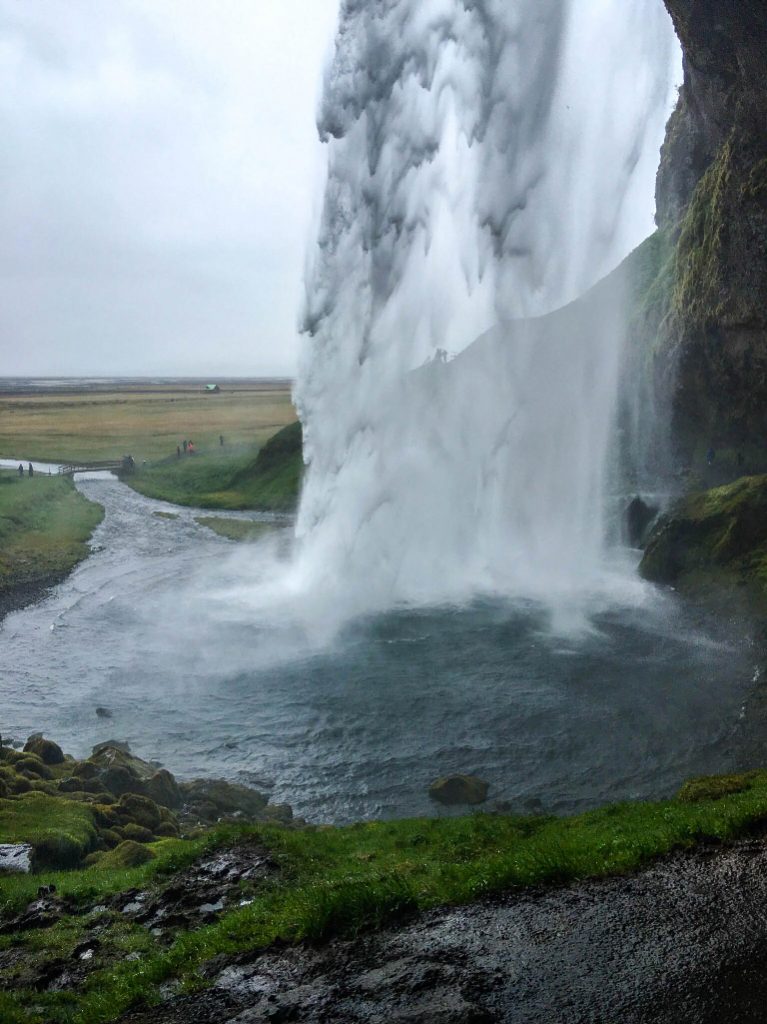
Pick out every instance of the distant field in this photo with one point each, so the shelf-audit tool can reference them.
(145, 422)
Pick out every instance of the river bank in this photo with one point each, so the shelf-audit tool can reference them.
(45, 527)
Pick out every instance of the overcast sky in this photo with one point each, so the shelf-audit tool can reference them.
(159, 169)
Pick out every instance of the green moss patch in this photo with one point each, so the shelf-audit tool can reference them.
(699, 294)
(719, 533)
(235, 529)
(61, 832)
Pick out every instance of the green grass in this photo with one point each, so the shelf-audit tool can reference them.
(45, 525)
(267, 480)
(341, 881)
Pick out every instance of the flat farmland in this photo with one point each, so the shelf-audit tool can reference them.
(146, 421)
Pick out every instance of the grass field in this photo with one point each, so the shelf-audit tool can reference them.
(44, 528)
(148, 424)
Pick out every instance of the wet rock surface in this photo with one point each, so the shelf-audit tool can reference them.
(16, 857)
(684, 942)
(196, 896)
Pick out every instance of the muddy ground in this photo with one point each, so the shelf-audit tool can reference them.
(684, 942)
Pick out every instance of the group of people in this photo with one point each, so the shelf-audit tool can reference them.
(30, 470)
(188, 448)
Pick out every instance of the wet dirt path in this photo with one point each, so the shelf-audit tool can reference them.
(684, 942)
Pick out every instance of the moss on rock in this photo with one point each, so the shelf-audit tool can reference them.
(61, 832)
(50, 753)
(128, 854)
(722, 531)
(714, 787)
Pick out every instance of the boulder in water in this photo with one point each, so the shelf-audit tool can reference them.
(453, 790)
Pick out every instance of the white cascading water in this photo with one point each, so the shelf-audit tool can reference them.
(489, 160)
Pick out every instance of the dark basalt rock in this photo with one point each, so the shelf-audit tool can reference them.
(638, 517)
(710, 361)
(454, 790)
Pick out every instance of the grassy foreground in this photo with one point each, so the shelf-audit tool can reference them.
(45, 525)
(339, 881)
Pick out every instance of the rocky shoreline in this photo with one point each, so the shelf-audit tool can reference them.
(113, 805)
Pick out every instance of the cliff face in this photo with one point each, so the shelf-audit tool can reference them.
(711, 363)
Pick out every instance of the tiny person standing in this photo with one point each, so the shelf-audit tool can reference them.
(21, 470)
(31, 470)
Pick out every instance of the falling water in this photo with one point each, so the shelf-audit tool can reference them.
(488, 162)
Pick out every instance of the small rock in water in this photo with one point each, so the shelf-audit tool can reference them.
(16, 857)
(103, 713)
(453, 790)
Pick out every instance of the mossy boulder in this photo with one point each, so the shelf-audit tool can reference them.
(49, 752)
(61, 832)
(110, 837)
(214, 798)
(164, 790)
(128, 854)
(167, 830)
(139, 810)
(454, 790)
(137, 833)
(723, 530)
(121, 772)
(30, 763)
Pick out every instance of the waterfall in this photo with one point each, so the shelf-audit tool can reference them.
(488, 162)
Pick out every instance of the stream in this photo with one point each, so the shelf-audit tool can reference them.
(160, 627)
